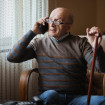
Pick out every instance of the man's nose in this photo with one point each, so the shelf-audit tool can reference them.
(52, 23)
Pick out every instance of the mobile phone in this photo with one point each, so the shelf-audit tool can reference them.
(43, 28)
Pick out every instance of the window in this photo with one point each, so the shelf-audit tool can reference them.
(17, 17)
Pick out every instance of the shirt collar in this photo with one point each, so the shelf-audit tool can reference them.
(61, 38)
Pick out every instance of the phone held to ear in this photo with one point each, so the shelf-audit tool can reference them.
(43, 28)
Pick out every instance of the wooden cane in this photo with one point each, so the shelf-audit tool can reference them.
(92, 70)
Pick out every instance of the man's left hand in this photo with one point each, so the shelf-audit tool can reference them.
(91, 35)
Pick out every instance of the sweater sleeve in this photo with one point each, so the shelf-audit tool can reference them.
(100, 60)
(22, 51)
(88, 55)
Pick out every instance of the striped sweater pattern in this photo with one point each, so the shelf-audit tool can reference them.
(62, 64)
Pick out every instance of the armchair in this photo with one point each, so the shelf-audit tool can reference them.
(98, 84)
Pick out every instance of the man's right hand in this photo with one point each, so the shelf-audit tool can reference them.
(36, 28)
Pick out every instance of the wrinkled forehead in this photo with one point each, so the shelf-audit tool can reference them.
(59, 14)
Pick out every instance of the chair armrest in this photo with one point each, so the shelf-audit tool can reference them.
(99, 83)
(24, 82)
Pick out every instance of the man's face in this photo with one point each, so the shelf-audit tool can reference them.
(58, 30)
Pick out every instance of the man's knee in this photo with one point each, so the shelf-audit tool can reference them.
(50, 96)
(97, 100)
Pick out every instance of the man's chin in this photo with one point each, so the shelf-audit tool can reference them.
(52, 34)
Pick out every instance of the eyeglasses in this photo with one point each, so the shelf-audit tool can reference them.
(55, 22)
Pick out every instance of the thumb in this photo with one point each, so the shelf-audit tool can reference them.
(87, 30)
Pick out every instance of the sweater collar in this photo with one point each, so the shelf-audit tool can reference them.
(61, 38)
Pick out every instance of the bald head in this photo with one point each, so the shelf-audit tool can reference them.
(64, 13)
(65, 20)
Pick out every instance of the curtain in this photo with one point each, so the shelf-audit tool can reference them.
(16, 18)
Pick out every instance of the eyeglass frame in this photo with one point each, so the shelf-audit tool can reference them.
(59, 23)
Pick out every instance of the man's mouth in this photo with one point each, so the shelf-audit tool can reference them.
(52, 29)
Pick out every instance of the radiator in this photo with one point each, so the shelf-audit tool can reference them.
(9, 77)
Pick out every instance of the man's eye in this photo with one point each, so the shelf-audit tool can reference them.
(57, 21)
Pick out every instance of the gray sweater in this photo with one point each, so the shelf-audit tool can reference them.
(62, 63)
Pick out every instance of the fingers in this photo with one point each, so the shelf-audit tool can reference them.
(94, 31)
(91, 33)
(36, 28)
(99, 40)
(87, 31)
(42, 21)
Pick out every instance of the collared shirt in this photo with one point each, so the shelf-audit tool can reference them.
(61, 38)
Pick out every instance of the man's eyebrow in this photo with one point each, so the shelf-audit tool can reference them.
(56, 18)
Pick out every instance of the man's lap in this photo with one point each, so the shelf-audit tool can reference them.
(64, 99)
(82, 100)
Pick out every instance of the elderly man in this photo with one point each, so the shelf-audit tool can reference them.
(62, 59)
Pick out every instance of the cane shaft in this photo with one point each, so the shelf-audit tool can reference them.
(92, 70)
